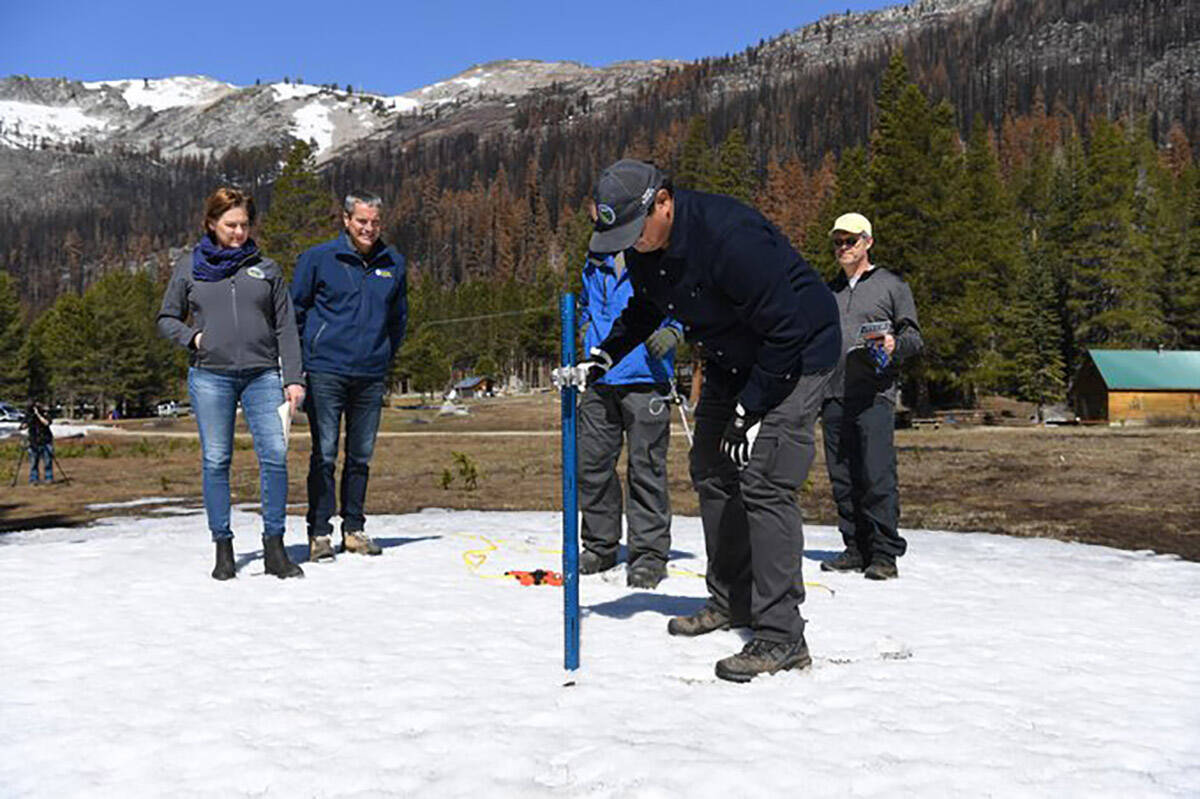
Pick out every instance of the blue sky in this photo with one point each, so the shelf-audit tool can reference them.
(380, 46)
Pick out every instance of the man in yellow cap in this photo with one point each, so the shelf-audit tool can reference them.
(879, 332)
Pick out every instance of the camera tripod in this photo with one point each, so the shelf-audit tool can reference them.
(54, 462)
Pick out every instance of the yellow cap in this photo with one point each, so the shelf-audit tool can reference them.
(852, 223)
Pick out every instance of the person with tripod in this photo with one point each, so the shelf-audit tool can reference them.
(41, 443)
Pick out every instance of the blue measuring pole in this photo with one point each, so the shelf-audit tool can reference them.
(566, 308)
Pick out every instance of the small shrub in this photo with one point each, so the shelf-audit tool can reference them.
(467, 470)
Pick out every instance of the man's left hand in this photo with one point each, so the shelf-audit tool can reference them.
(737, 442)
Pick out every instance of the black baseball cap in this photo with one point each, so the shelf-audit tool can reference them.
(624, 193)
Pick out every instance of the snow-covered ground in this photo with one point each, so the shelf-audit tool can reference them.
(993, 667)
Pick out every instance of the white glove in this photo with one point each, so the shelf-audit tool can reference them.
(585, 373)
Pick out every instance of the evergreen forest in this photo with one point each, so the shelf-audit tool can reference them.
(1030, 226)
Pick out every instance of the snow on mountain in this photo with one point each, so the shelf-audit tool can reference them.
(26, 125)
(197, 115)
(994, 666)
(158, 94)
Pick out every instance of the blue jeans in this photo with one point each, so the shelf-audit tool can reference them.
(330, 396)
(215, 399)
(45, 454)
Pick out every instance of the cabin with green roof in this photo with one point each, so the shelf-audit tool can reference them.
(1138, 387)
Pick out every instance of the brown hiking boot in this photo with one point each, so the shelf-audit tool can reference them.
(883, 567)
(360, 542)
(849, 561)
(320, 548)
(706, 620)
(764, 657)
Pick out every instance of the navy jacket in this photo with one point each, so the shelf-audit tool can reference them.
(761, 313)
(603, 296)
(351, 311)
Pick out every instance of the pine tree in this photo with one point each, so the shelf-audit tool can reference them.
(1112, 294)
(68, 343)
(986, 244)
(695, 170)
(13, 370)
(301, 213)
(1184, 281)
(734, 175)
(915, 165)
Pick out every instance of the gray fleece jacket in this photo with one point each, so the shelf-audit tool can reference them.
(247, 319)
(878, 296)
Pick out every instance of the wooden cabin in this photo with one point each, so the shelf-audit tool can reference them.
(1138, 387)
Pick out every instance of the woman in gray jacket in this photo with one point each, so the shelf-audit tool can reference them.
(229, 306)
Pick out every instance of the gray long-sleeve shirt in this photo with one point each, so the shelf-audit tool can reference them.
(246, 318)
(878, 296)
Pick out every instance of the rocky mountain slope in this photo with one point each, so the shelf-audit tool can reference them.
(200, 116)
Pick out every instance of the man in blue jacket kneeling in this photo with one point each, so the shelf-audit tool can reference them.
(351, 300)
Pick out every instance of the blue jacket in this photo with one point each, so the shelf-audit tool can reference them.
(763, 316)
(601, 300)
(351, 311)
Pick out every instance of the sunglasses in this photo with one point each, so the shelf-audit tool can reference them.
(845, 242)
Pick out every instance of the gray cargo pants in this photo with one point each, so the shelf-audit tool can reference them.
(608, 416)
(753, 529)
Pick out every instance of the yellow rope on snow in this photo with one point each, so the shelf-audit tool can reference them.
(475, 558)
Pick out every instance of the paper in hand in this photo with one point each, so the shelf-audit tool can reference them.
(285, 416)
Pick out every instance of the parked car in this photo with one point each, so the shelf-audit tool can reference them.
(10, 413)
(173, 408)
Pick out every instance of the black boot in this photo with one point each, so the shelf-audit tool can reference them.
(275, 559)
(224, 570)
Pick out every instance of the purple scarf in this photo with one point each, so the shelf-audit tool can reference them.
(211, 263)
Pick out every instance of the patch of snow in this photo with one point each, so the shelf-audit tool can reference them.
(133, 503)
(26, 124)
(993, 666)
(313, 121)
(159, 94)
(473, 83)
(294, 91)
(399, 103)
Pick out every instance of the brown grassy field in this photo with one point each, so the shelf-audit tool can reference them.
(1130, 488)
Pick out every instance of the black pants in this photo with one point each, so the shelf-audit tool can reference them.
(639, 416)
(861, 455)
(753, 529)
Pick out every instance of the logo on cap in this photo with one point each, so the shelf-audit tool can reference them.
(606, 214)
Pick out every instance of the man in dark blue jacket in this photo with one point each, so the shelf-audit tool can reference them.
(351, 301)
(769, 329)
(631, 402)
